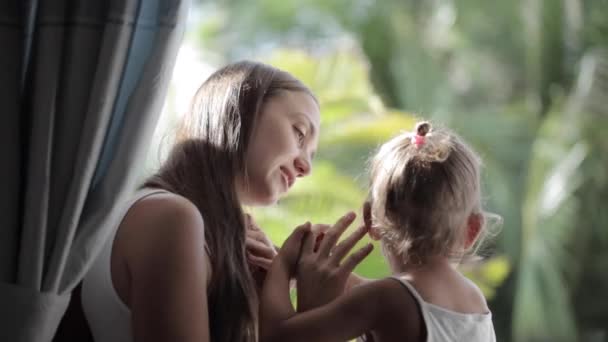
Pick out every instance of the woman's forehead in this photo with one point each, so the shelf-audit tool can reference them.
(303, 104)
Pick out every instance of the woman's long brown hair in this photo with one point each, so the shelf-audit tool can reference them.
(203, 167)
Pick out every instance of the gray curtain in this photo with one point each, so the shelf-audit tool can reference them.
(82, 83)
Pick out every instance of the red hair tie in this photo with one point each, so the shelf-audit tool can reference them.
(422, 128)
(418, 140)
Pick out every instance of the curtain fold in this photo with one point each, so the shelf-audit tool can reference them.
(28, 314)
(82, 85)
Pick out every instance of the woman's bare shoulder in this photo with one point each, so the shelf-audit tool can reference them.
(161, 225)
(162, 214)
(163, 207)
(165, 281)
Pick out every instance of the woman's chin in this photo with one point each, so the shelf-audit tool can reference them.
(267, 202)
(268, 199)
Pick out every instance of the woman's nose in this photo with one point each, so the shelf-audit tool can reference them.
(302, 166)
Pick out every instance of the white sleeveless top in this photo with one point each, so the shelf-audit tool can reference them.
(108, 317)
(443, 325)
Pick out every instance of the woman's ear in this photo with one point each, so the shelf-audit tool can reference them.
(474, 224)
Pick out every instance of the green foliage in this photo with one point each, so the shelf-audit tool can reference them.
(560, 217)
(338, 182)
(500, 73)
(490, 275)
(549, 223)
(348, 137)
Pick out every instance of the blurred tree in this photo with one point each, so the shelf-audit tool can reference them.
(355, 123)
(525, 81)
(564, 231)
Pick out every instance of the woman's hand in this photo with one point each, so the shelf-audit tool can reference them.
(321, 272)
(260, 251)
(275, 302)
(290, 251)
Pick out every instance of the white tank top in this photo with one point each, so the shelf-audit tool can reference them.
(443, 325)
(109, 318)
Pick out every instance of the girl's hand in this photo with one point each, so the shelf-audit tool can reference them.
(321, 273)
(319, 230)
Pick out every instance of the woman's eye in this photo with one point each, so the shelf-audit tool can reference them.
(299, 134)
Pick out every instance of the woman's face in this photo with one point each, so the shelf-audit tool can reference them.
(281, 149)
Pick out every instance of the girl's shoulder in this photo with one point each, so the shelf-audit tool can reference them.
(398, 309)
(393, 298)
(450, 290)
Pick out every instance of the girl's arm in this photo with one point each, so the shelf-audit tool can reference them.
(355, 280)
(329, 274)
(311, 290)
(383, 306)
(347, 317)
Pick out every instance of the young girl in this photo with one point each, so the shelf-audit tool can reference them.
(426, 211)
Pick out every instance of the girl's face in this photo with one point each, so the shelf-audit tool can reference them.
(281, 149)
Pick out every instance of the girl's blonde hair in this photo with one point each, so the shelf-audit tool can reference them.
(424, 187)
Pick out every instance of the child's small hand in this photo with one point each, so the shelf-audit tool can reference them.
(318, 230)
(289, 254)
(322, 272)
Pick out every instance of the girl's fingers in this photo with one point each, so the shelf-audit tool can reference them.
(298, 234)
(318, 240)
(333, 234)
(309, 243)
(319, 232)
(354, 259)
(347, 244)
(320, 228)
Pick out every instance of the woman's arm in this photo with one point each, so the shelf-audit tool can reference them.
(169, 271)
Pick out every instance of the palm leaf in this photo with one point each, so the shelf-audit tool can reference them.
(560, 225)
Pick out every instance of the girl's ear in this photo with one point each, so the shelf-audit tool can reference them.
(374, 234)
(474, 224)
(367, 214)
(367, 220)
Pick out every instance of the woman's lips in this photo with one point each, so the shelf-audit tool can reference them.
(288, 177)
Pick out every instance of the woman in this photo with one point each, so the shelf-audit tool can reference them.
(176, 268)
